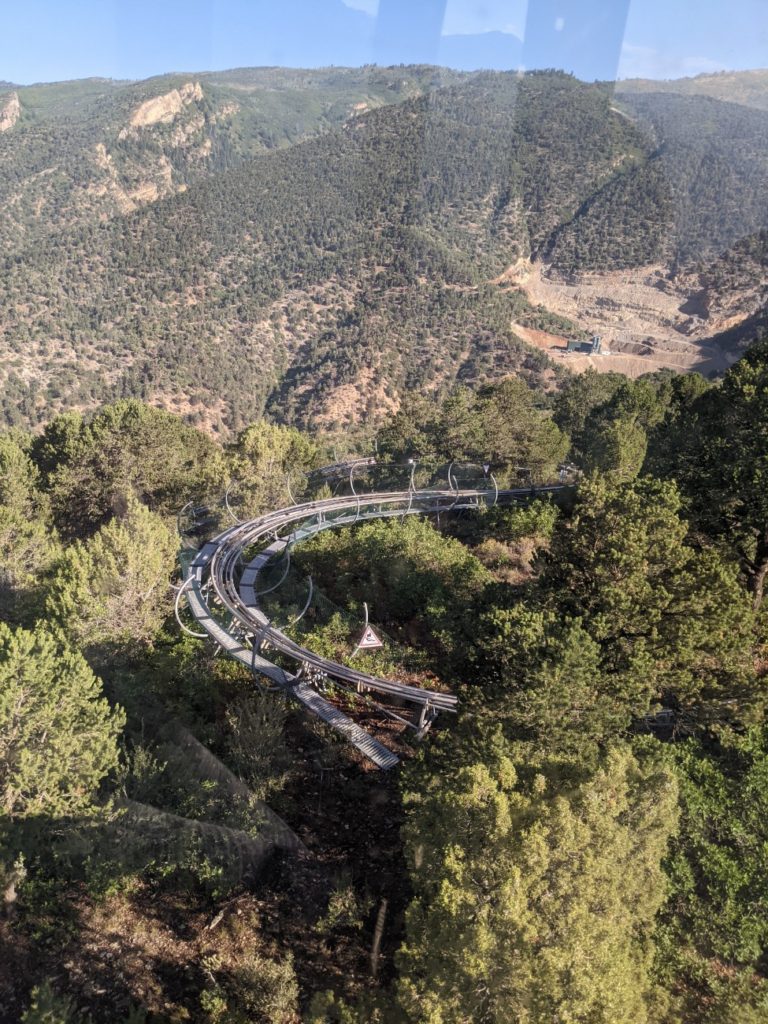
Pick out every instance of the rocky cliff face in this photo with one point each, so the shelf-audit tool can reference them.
(10, 111)
(164, 109)
(156, 180)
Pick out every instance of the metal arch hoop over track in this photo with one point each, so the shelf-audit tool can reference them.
(218, 564)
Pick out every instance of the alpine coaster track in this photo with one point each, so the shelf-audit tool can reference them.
(218, 587)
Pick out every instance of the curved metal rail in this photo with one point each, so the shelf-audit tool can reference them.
(218, 566)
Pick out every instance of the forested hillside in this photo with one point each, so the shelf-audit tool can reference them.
(211, 296)
(583, 841)
(701, 189)
(78, 152)
(324, 279)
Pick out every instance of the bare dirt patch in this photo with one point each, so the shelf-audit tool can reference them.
(577, 362)
(346, 404)
(647, 321)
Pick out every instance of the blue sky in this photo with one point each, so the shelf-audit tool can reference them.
(51, 40)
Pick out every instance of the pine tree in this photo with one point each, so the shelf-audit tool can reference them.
(719, 455)
(671, 621)
(618, 448)
(535, 903)
(58, 735)
(114, 587)
(28, 543)
(127, 450)
(263, 460)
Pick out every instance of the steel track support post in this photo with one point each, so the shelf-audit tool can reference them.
(426, 718)
(177, 612)
(453, 485)
(410, 503)
(352, 488)
(357, 648)
(422, 716)
(259, 638)
(232, 515)
(305, 609)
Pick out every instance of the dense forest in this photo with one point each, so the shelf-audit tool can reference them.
(92, 149)
(218, 265)
(585, 841)
(700, 190)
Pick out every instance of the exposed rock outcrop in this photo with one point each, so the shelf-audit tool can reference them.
(10, 111)
(158, 181)
(163, 109)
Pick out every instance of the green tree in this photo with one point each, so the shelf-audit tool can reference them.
(501, 423)
(675, 434)
(535, 519)
(614, 436)
(261, 462)
(58, 735)
(115, 586)
(517, 431)
(579, 396)
(408, 572)
(60, 442)
(718, 865)
(617, 449)
(741, 997)
(28, 544)
(411, 430)
(718, 452)
(92, 469)
(460, 432)
(672, 622)
(535, 902)
(542, 678)
(712, 933)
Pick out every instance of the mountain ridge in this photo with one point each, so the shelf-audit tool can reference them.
(52, 167)
(322, 279)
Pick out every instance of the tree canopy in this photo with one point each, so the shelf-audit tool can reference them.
(266, 463)
(719, 454)
(115, 586)
(533, 904)
(671, 619)
(58, 735)
(28, 542)
(502, 424)
(92, 468)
